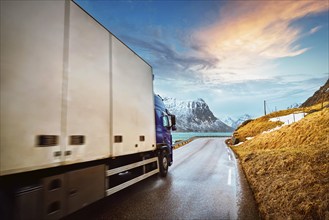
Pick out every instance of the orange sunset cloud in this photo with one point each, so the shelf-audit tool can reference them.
(249, 34)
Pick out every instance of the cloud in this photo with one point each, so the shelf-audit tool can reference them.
(315, 29)
(239, 47)
(249, 35)
(163, 54)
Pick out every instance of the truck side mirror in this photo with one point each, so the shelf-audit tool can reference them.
(174, 128)
(173, 120)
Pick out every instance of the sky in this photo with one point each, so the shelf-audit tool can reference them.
(233, 54)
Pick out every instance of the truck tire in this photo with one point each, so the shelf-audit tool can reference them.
(163, 163)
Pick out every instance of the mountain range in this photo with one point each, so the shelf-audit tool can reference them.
(195, 116)
(234, 123)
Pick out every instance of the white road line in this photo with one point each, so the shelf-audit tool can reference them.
(229, 177)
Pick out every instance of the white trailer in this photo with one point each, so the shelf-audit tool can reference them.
(77, 110)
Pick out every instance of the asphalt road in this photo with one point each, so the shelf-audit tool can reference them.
(204, 182)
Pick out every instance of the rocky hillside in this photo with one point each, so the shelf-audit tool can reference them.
(319, 96)
(195, 116)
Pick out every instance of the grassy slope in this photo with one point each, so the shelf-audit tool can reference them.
(288, 169)
(261, 124)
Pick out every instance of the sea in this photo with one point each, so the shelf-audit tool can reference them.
(178, 136)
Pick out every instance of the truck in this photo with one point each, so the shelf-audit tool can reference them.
(79, 118)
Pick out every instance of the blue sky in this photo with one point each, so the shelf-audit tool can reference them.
(232, 54)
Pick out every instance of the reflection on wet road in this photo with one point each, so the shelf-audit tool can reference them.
(203, 183)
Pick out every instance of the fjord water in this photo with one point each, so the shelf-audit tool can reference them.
(187, 135)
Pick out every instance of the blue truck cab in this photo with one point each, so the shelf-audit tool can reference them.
(165, 122)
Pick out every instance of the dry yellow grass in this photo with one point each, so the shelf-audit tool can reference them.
(288, 169)
(261, 124)
(255, 127)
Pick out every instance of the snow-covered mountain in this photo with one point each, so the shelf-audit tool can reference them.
(195, 116)
(234, 123)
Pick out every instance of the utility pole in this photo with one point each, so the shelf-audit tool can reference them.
(264, 107)
(322, 99)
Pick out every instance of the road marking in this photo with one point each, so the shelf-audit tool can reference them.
(229, 177)
(229, 152)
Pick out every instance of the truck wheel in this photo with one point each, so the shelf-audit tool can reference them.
(163, 163)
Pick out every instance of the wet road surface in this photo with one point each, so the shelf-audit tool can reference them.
(203, 183)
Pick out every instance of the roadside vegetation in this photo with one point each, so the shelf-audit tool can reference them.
(181, 143)
(288, 167)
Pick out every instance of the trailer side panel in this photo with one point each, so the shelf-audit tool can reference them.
(31, 84)
(88, 98)
(133, 104)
